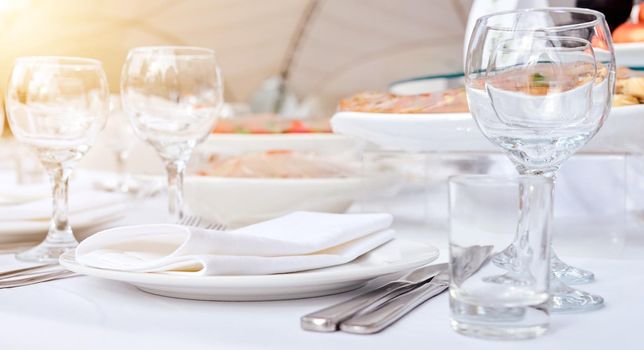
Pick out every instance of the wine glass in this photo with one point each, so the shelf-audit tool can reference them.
(57, 106)
(539, 84)
(172, 95)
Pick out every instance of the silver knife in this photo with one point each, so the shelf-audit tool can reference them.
(375, 320)
(328, 319)
(394, 309)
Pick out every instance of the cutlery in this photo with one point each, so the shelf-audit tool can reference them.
(9, 248)
(328, 319)
(375, 320)
(39, 278)
(29, 271)
(195, 221)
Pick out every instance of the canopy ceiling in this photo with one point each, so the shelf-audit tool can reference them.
(348, 46)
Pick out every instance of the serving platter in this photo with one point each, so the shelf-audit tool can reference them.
(458, 132)
(629, 54)
(396, 256)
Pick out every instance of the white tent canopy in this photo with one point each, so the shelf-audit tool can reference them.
(348, 45)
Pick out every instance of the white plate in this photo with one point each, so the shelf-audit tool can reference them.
(457, 132)
(395, 256)
(12, 232)
(629, 54)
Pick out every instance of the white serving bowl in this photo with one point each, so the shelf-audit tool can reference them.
(322, 143)
(237, 202)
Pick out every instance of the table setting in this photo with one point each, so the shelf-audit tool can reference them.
(258, 230)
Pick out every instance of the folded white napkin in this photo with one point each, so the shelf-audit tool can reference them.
(78, 202)
(294, 242)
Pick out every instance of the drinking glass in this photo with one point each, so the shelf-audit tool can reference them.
(539, 84)
(172, 95)
(494, 302)
(57, 106)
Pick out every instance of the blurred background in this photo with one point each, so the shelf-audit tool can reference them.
(323, 49)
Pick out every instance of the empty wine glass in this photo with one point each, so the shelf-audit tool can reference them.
(57, 106)
(172, 95)
(539, 84)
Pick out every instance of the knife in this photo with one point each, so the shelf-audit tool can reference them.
(394, 309)
(375, 320)
(328, 319)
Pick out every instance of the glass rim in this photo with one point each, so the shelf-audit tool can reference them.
(598, 17)
(192, 51)
(497, 179)
(64, 61)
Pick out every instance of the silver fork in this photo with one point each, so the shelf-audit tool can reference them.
(36, 278)
(195, 221)
(28, 271)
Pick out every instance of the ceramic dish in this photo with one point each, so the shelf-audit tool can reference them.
(237, 202)
(458, 132)
(629, 54)
(395, 256)
(242, 143)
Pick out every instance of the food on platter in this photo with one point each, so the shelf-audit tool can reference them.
(271, 124)
(629, 88)
(449, 101)
(629, 91)
(630, 32)
(276, 164)
(624, 100)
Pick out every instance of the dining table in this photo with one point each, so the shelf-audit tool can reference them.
(90, 313)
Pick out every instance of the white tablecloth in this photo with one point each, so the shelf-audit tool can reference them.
(84, 313)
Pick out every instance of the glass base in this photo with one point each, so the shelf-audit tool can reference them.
(46, 252)
(564, 272)
(500, 323)
(569, 300)
(570, 274)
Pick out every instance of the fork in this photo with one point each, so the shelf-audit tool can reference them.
(38, 278)
(27, 271)
(196, 221)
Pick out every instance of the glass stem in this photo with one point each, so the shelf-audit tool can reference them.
(121, 160)
(175, 171)
(59, 230)
(535, 216)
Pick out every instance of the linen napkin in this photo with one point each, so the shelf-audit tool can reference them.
(294, 242)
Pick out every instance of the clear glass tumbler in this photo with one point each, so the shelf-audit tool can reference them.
(495, 302)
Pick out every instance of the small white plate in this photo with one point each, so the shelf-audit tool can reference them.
(24, 232)
(458, 132)
(395, 256)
